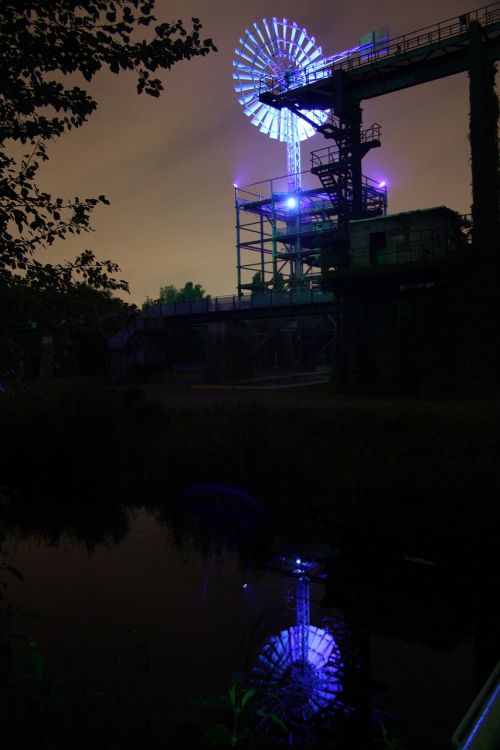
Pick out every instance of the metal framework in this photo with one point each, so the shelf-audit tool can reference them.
(283, 238)
(292, 221)
(340, 84)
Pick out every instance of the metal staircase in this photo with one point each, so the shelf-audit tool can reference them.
(333, 167)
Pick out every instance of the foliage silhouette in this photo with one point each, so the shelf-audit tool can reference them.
(245, 717)
(170, 294)
(40, 43)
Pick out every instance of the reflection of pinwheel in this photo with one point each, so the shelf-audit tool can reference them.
(300, 666)
(303, 686)
(274, 53)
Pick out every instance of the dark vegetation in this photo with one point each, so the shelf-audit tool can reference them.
(43, 46)
(169, 294)
(104, 442)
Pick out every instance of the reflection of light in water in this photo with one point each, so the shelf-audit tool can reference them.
(301, 664)
(304, 685)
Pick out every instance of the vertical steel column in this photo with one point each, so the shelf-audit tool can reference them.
(262, 255)
(238, 240)
(292, 152)
(483, 133)
(294, 184)
(273, 231)
(357, 178)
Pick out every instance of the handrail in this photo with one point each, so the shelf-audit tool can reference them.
(283, 298)
(451, 27)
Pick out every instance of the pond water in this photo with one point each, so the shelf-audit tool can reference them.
(180, 605)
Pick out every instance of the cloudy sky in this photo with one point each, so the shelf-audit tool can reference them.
(168, 165)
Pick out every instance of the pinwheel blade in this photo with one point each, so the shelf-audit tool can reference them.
(274, 53)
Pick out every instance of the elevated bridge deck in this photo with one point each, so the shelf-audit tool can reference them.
(408, 60)
(257, 306)
(244, 307)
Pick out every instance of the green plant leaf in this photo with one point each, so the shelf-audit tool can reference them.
(273, 717)
(247, 696)
(276, 720)
(232, 694)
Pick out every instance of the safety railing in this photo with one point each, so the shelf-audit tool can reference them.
(330, 154)
(404, 44)
(287, 298)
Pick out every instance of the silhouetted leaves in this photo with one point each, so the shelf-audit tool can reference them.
(187, 293)
(38, 43)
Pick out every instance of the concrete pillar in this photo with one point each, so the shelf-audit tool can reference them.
(229, 352)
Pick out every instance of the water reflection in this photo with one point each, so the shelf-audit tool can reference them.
(174, 601)
(300, 668)
(89, 527)
(219, 519)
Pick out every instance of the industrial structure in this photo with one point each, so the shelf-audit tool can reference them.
(285, 224)
(404, 302)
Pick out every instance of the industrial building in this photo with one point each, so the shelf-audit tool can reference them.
(399, 303)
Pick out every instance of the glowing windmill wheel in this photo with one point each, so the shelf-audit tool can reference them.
(276, 52)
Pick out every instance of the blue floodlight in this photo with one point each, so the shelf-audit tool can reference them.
(292, 202)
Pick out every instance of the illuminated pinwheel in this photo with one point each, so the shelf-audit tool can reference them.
(273, 54)
(301, 665)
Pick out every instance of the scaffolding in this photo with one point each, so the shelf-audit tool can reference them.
(282, 237)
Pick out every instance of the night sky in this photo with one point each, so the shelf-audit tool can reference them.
(168, 165)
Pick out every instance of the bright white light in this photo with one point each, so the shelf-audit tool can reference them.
(235, 185)
(292, 202)
(382, 184)
(298, 561)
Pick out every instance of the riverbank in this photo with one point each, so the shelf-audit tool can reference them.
(432, 461)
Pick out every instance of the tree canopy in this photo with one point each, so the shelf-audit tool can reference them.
(170, 293)
(41, 43)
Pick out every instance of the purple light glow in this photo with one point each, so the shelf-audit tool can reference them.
(382, 184)
(318, 676)
(292, 202)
